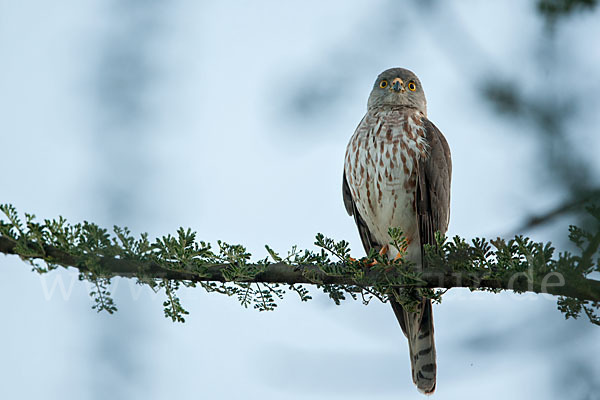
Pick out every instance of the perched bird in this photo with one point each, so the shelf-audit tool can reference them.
(397, 173)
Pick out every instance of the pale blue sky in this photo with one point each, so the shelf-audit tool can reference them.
(232, 118)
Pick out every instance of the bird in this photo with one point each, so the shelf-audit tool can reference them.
(397, 174)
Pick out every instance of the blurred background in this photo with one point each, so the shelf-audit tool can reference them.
(232, 118)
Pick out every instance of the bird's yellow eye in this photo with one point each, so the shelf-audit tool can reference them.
(383, 84)
(411, 86)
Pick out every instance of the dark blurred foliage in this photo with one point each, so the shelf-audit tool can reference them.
(554, 10)
(124, 76)
(550, 115)
(549, 118)
(575, 380)
(310, 100)
(317, 92)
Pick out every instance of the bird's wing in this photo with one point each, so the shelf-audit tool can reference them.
(348, 202)
(365, 235)
(432, 199)
(433, 186)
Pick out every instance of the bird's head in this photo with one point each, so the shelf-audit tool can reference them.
(398, 87)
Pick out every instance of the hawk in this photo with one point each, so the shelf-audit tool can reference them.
(397, 174)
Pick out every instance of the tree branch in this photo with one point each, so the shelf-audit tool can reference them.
(280, 272)
(517, 264)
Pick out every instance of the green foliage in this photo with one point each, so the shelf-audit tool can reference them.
(173, 308)
(170, 262)
(100, 293)
(553, 10)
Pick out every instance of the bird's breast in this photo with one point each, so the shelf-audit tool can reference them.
(381, 167)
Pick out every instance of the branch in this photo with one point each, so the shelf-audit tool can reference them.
(517, 264)
(583, 289)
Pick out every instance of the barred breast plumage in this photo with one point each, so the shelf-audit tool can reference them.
(381, 162)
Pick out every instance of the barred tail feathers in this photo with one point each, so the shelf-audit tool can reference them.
(418, 328)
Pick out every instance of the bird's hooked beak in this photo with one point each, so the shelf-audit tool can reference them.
(397, 85)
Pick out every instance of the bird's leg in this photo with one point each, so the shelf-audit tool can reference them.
(383, 251)
(403, 250)
(372, 263)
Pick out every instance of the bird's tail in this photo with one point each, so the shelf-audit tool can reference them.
(418, 328)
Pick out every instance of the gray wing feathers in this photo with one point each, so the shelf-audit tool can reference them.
(348, 202)
(433, 186)
(433, 214)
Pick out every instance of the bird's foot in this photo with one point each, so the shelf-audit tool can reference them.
(363, 261)
(403, 249)
(383, 251)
